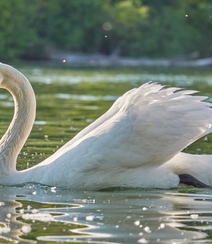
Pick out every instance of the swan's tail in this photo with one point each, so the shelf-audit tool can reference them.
(198, 166)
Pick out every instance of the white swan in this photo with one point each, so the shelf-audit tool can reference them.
(136, 143)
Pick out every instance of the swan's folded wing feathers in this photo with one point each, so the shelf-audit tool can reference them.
(150, 128)
(98, 122)
(148, 125)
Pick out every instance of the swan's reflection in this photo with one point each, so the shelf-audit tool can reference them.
(34, 213)
(11, 228)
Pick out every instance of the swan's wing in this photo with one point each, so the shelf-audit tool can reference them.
(109, 113)
(149, 126)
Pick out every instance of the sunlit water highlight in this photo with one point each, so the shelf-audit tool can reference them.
(68, 100)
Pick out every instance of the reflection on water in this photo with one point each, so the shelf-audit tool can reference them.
(86, 97)
(67, 101)
(119, 216)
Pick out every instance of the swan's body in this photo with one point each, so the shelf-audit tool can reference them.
(136, 143)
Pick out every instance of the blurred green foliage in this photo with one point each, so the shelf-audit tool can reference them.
(162, 28)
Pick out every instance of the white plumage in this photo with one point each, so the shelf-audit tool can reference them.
(136, 143)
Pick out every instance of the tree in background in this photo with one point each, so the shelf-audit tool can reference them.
(16, 34)
(79, 23)
(199, 16)
(136, 28)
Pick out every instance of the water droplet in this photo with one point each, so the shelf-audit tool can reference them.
(137, 222)
(194, 216)
(21, 211)
(53, 189)
(162, 226)
(26, 229)
(147, 229)
(142, 240)
(89, 218)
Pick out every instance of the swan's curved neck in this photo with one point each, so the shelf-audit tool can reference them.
(24, 114)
